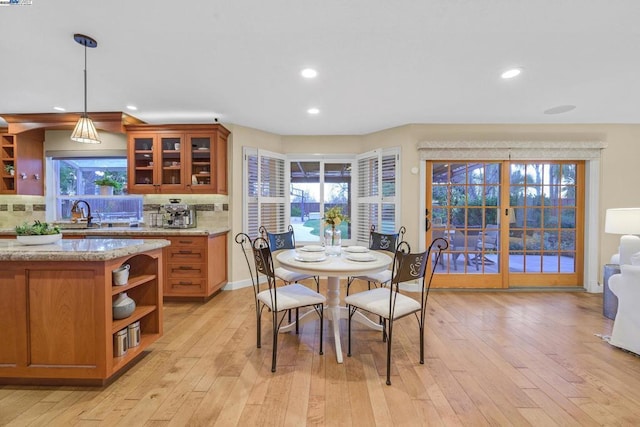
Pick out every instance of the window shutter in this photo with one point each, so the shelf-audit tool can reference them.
(377, 200)
(265, 198)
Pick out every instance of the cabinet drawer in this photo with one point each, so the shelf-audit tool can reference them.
(186, 286)
(194, 243)
(176, 271)
(182, 255)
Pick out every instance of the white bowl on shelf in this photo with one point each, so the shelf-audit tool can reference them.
(42, 239)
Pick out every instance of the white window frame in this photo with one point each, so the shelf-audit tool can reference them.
(359, 231)
(323, 159)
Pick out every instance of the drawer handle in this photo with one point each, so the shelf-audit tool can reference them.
(185, 241)
(186, 283)
(185, 252)
(185, 267)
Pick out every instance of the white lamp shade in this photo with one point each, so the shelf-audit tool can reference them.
(85, 132)
(624, 221)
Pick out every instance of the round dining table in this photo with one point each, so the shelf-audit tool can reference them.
(334, 267)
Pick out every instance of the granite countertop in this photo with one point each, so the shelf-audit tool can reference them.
(77, 249)
(135, 231)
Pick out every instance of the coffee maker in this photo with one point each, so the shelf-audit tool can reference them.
(179, 215)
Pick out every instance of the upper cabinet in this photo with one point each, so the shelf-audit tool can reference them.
(173, 159)
(21, 158)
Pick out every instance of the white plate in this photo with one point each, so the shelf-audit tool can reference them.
(312, 248)
(356, 249)
(202, 148)
(361, 257)
(310, 257)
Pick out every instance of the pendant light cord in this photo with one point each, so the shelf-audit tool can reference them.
(85, 81)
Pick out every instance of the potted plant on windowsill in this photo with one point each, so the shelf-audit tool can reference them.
(108, 184)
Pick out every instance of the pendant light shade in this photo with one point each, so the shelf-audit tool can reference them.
(85, 131)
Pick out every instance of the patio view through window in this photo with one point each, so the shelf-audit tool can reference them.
(525, 217)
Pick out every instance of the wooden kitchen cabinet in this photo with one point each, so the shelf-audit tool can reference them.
(177, 159)
(58, 319)
(195, 266)
(23, 151)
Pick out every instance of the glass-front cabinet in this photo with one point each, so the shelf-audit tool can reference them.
(177, 159)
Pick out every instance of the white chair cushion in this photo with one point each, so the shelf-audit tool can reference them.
(289, 276)
(376, 301)
(382, 277)
(291, 296)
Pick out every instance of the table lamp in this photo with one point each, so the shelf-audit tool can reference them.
(624, 221)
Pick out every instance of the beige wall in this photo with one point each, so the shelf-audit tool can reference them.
(618, 167)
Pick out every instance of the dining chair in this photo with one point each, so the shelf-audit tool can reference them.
(277, 299)
(380, 242)
(284, 241)
(487, 242)
(390, 304)
(463, 244)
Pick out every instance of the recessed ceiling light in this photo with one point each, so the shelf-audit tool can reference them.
(560, 109)
(59, 109)
(313, 111)
(509, 74)
(309, 73)
(132, 107)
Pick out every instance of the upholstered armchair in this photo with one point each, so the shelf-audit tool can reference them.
(626, 327)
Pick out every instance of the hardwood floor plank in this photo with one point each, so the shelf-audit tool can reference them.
(492, 358)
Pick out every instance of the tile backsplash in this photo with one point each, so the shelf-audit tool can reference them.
(212, 210)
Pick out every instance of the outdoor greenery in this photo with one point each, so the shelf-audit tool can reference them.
(315, 225)
(109, 179)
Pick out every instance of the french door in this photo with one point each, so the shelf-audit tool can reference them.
(508, 224)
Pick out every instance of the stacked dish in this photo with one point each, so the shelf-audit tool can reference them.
(312, 248)
(361, 257)
(311, 257)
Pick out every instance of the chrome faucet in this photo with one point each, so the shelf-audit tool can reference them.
(77, 211)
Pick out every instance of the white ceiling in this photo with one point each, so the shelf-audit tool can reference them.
(381, 63)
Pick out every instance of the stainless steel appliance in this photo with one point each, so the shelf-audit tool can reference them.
(179, 215)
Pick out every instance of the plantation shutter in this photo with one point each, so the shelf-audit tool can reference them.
(377, 201)
(265, 196)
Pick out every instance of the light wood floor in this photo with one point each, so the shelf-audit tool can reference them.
(493, 358)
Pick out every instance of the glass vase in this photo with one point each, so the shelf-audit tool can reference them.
(332, 241)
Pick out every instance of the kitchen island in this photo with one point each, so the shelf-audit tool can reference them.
(195, 264)
(56, 324)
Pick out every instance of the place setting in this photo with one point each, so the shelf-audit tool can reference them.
(310, 253)
(360, 256)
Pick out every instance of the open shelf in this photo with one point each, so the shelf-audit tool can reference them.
(132, 283)
(145, 341)
(138, 314)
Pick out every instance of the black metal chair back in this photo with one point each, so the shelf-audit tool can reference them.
(279, 241)
(409, 266)
(385, 241)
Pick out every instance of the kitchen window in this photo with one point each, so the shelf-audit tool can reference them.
(73, 178)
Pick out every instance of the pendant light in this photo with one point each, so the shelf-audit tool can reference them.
(85, 132)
